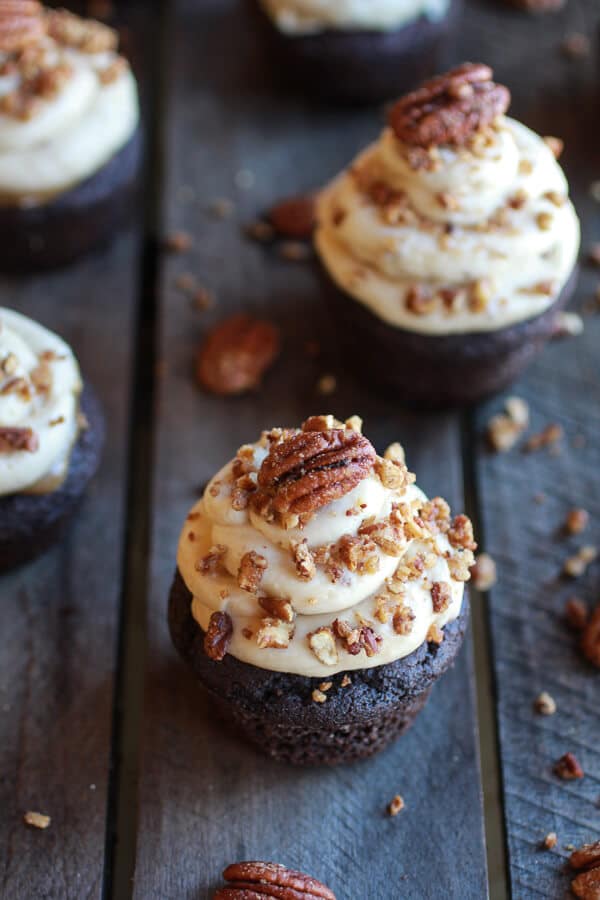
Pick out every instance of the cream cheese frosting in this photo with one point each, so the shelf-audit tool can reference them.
(73, 129)
(378, 558)
(298, 17)
(455, 239)
(40, 385)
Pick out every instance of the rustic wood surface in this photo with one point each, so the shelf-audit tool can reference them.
(72, 743)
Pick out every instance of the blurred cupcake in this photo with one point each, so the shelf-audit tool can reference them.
(450, 244)
(319, 595)
(355, 51)
(51, 435)
(69, 135)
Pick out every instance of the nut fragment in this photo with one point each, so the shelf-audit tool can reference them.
(236, 354)
(550, 841)
(586, 857)
(545, 438)
(483, 572)
(449, 109)
(303, 558)
(545, 704)
(250, 573)
(576, 521)
(294, 217)
(576, 613)
(441, 596)
(590, 641)
(504, 430)
(576, 565)
(395, 805)
(568, 767)
(275, 634)
(218, 637)
(36, 820)
(252, 875)
(587, 885)
(278, 608)
(14, 439)
(21, 23)
(322, 643)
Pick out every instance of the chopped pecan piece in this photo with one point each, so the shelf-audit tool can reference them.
(395, 805)
(460, 533)
(576, 613)
(586, 857)
(484, 572)
(37, 819)
(251, 571)
(451, 108)
(218, 637)
(460, 565)
(358, 554)
(590, 640)
(576, 521)
(84, 35)
(546, 438)
(545, 704)
(576, 565)
(212, 563)
(21, 24)
(289, 884)
(441, 596)
(14, 439)
(568, 767)
(311, 469)
(403, 620)
(435, 514)
(274, 633)
(393, 474)
(390, 538)
(322, 643)
(278, 608)
(435, 635)
(303, 559)
(241, 491)
(294, 217)
(587, 885)
(550, 841)
(358, 638)
(236, 354)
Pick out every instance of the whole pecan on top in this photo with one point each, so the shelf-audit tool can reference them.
(21, 23)
(449, 109)
(236, 354)
(257, 880)
(312, 468)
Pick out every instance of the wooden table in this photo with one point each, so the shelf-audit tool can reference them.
(101, 726)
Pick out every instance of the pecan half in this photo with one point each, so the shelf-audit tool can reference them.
(451, 108)
(587, 885)
(586, 857)
(590, 641)
(265, 879)
(312, 468)
(236, 354)
(13, 439)
(21, 23)
(218, 637)
(294, 217)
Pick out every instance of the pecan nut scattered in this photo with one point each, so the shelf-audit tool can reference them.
(21, 23)
(590, 641)
(312, 468)
(587, 885)
(13, 439)
(568, 767)
(254, 880)
(236, 354)
(586, 857)
(451, 108)
(294, 217)
(218, 637)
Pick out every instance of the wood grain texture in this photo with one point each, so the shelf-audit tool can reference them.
(59, 616)
(533, 649)
(205, 798)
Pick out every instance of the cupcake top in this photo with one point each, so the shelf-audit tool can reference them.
(313, 16)
(68, 100)
(310, 554)
(457, 219)
(39, 421)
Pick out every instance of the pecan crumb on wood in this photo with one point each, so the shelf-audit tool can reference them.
(236, 354)
(576, 521)
(395, 805)
(576, 565)
(545, 438)
(36, 820)
(294, 217)
(550, 841)
(568, 767)
(545, 704)
(576, 614)
(484, 573)
(590, 640)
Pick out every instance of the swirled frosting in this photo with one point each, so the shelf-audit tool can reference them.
(39, 390)
(312, 16)
(361, 581)
(452, 239)
(66, 107)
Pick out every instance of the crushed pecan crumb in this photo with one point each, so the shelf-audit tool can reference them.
(355, 639)
(568, 768)
(576, 614)
(278, 608)
(483, 572)
(549, 435)
(575, 45)
(250, 573)
(460, 533)
(441, 596)
(326, 385)
(236, 354)
(212, 563)
(590, 640)
(576, 521)
(322, 643)
(178, 242)
(15, 439)
(274, 634)
(435, 635)
(545, 704)
(576, 565)
(84, 35)
(504, 430)
(318, 696)
(395, 805)
(36, 819)
(550, 841)
(346, 681)
(303, 559)
(218, 636)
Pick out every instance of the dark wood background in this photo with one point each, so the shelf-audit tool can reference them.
(101, 727)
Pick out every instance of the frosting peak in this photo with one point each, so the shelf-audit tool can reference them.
(356, 580)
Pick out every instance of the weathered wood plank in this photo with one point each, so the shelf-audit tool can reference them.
(533, 649)
(59, 616)
(205, 798)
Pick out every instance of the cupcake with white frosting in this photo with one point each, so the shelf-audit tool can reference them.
(356, 50)
(69, 134)
(51, 434)
(319, 594)
(451, 242)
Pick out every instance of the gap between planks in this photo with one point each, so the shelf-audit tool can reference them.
(485, 686)
(122, 803)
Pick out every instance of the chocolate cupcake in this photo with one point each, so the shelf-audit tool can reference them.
(354, 51)
(51, 435)
(319, 595)
(450, 244)
(69, 135)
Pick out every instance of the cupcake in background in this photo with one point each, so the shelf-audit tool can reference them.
(51, 436)
(450, 244)
(319, 594)
(69, 135)
(354, 51)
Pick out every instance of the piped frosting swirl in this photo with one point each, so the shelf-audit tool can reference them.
(39, 400)
(351, 582)
(313, 16)
(467, 236)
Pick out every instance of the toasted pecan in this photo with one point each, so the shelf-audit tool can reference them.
(21, 23)
(236, 354)
(294, 217)
(249, 880)
(218, 637)
(310, 469)
(451, 108)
